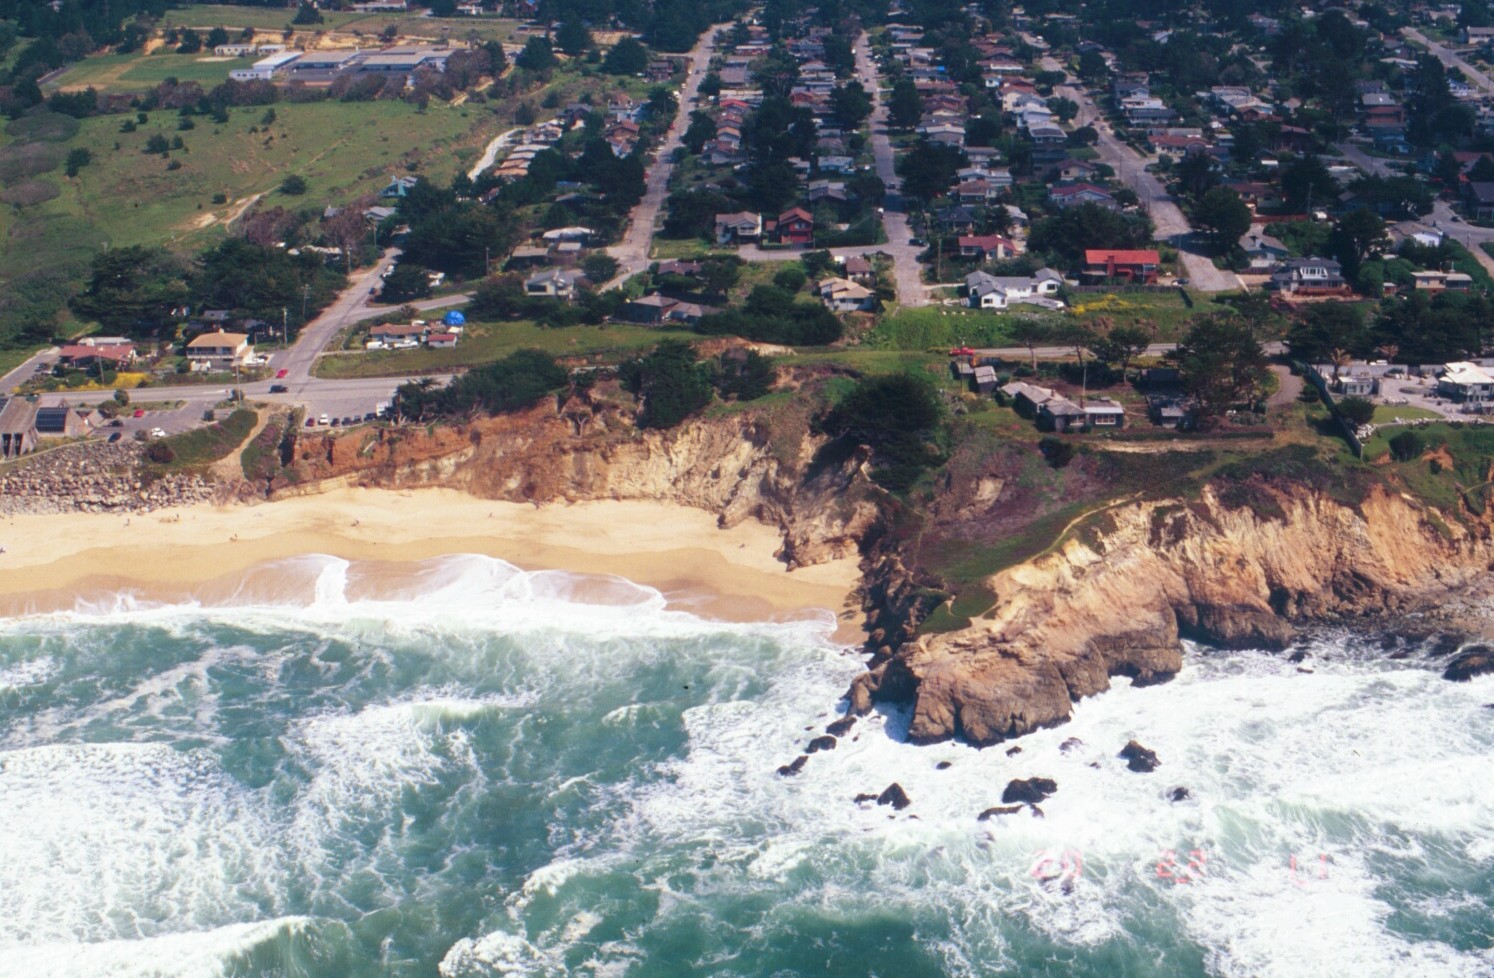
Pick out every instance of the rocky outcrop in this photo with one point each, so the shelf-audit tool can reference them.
(1142, 760)
(1476, 661)
(1028, 791)
(1117, 603)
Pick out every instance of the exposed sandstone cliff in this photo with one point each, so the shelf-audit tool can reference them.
(740, 466)
(1117, 601)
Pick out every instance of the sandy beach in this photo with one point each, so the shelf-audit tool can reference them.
(49, 561)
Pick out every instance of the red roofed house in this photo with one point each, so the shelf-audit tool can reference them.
(795, 226)
(86, 355)
(986, 247)
(1136, 267)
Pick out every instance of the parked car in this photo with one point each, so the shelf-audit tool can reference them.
(278, 389)
(116, 423)
(962, 351)
(114, 436)
(336, 422)
(140, 412)
(311, 422)
(322, 420)
(281, 373)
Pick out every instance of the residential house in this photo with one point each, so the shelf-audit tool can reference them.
(1072, 194)
(1263, 251)
(1138, 267)
(986, 291)
(843, 295)
(442, 341)
(859, 269)
(1465, 382)
(738, 227)
(84, 355)
(1076, 171)
(1309, 276)
(394, 334)
(986, 247)
(795, 226)
(1442, 281)
(559, 283)
(577, 234)
(648, 310)
(219, 349)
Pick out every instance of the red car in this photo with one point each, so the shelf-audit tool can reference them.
(140, 412)
(281, 373)
(962, 351)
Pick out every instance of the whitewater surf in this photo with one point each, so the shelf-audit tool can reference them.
(463, 769)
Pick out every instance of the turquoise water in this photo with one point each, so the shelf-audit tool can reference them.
(474, 771)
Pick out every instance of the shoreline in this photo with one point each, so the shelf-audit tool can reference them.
(52, 561)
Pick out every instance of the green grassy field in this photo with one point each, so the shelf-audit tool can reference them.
(341, 149)
(135, 72)
(277, 19)
(486, 342)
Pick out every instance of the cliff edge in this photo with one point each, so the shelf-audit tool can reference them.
(1116, 601)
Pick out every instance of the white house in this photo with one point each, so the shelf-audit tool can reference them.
(987, 291)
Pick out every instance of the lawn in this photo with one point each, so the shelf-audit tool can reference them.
(486, 342)
(941, 327)
(1388, 413)
(207, 16)
(134, 72)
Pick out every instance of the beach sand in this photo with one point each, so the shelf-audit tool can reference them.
(50, 561)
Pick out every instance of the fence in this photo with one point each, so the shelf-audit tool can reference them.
(1345, 428)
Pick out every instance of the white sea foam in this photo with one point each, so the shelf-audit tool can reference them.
(1348, 762)
(461, 593)
(102, 841)
(206, 954)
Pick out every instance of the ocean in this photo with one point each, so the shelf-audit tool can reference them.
(462, 769)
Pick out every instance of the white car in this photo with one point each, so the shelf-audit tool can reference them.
(324, 420)
(158, 432)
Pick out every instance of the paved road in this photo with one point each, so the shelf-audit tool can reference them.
(1130, 169)
(632, 252)
(1272, 349)
(1443, 217)
(907, 272)
(1445, 54)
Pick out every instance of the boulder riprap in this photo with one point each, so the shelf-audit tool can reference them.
(990, 813)
(1028, 790)
(1180, 794)
(1139, 758)
(820, 743)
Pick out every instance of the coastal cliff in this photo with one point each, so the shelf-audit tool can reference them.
(744, 465)
(1238, 559)
(1115, 601)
